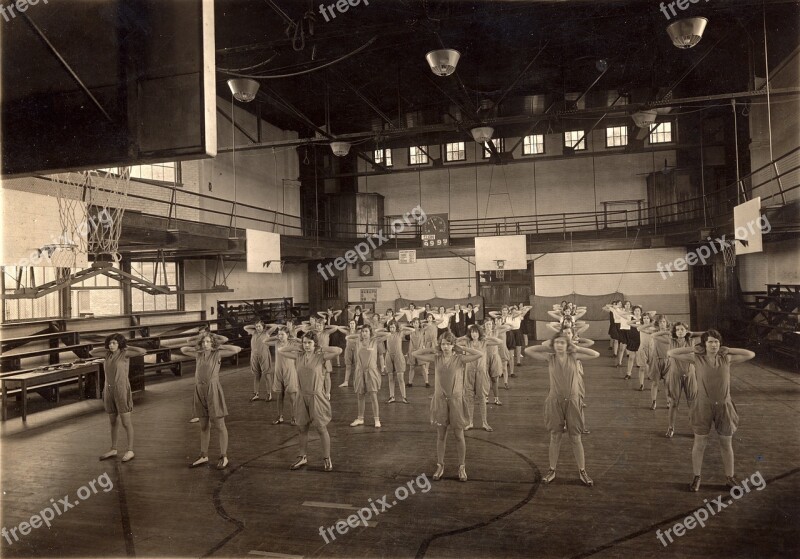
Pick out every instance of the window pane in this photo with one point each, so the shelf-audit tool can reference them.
(661, 133)
(455, 152)
(617, 136)
(571, 137)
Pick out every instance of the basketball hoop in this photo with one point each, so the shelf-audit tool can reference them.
(91, 205)
(729, 254)
(500, 272)
(63, 255)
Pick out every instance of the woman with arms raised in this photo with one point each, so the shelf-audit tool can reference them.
(209, 400)
(448, 406)
(312, 405)
(117, 394)
(712, 404)
(563, 404)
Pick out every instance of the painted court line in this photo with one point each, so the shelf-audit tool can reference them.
(370, 523)
(276, 555)
(323, 505)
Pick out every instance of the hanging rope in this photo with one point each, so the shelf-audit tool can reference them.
(572, 261)
(630, 252)
(396, 285)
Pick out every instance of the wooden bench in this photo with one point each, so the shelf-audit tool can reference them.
(103, 333)
(40, 378)
(12, 362)
(164, 360)
(52, 338)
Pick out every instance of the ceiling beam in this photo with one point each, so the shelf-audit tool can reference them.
(623, 110)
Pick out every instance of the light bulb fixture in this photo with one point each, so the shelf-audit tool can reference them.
(243, 89)
(686, 33)
(443, 62)
(340, 149)
(482, 134)
(644, 119)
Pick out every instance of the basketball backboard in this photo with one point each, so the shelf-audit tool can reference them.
(263, 252)
(749, 225)
(107, 83)
(507, 252)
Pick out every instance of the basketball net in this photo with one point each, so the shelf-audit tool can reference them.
(729, 254)
(500, 271)
(91, 205)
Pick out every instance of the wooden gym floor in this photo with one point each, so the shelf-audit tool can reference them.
(158, 507)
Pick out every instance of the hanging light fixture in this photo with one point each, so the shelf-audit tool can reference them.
(482, 134)
(686, 33)
(340, 149)
(443, 62)
(243, 89)
(644, 119)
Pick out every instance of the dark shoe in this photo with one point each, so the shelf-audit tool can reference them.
(670, 432)
(223, 463)
(653, 406)
(733, 481)
(695, 485)
(626, 377)
(427, 385)
(409, 385)
(587, 481)
(328, 465)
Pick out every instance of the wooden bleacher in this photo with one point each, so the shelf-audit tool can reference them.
(772, 319)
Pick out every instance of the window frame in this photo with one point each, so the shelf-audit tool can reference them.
(176, 167)
(386, 157)
(487, 154)
(582, 134)
(627, 134)
(423, 152)
(534, 144)
(654, 128)
(462, 149)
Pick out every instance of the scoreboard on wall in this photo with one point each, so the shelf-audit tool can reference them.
(435, 231)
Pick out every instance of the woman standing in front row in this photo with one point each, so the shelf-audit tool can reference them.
(117, 394)
(563, 403)
(209, 400)
(713, 404)
(447, 405)
(312, 405)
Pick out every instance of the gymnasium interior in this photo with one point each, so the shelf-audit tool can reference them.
(169, 165)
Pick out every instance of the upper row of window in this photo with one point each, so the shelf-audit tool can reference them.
(616, 136)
